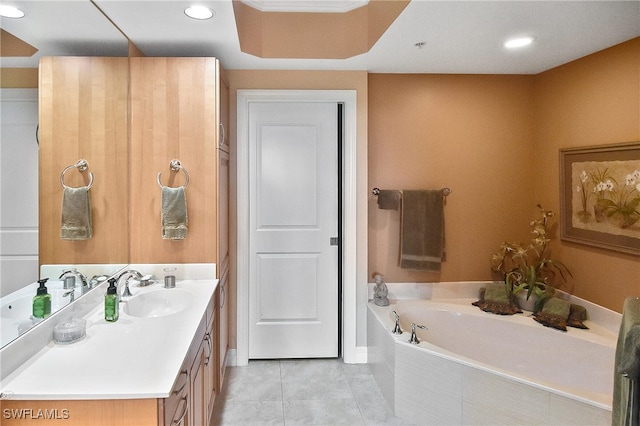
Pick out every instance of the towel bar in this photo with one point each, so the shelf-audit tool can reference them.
(82, 166)
(445, 191)
(175, 165)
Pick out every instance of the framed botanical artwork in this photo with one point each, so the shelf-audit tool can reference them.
(600, 196)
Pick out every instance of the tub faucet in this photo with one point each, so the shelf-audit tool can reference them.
(396, 328)
(70, 277)
(128, 274)
(414, 338)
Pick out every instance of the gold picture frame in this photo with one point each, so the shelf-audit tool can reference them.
(600, 196)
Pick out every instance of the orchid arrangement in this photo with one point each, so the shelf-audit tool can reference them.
(528, 266)
(622, 206)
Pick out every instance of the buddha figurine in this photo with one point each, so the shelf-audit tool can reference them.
(380, 291)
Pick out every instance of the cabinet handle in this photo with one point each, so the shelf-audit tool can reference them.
(223, 290)
(184, 412)
(186, 374)
(207, 337)
(223, 136)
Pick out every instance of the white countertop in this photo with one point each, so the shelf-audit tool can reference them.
(131, 358)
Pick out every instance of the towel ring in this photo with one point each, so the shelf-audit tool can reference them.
(175, 165)
(82, 166)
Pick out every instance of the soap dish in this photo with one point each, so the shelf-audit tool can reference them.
(71, 331)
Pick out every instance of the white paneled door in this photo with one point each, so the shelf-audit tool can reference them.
(293, 270)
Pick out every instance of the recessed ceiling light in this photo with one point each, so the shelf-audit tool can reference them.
(518, 42)
(199, 12)
(10, 12)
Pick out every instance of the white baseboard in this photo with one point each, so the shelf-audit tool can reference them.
(361, 356)
(232, 358)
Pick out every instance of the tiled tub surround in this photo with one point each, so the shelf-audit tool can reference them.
(473, 367)
(131, 358)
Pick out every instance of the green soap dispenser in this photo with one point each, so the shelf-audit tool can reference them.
(42, 301)
(111, 305)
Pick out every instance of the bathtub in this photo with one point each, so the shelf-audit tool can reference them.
(472, 367)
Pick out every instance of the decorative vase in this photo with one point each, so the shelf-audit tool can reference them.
(529, 304)
(524, 303)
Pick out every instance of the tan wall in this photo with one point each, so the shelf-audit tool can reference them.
(592, 101)
(303, 80)
(471, 133)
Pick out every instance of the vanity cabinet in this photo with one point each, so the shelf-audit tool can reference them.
(175, 409)
(193, 394)
(137, 399)
(204, 371)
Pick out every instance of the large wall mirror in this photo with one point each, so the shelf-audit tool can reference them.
(20, 154)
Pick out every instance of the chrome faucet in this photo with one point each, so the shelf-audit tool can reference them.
(396, 328)
(128, 274)
(71, 293)
(414, 338)
(70, 277)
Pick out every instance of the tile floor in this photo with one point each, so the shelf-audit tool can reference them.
(301, 392)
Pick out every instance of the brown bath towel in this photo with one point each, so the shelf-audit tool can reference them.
(422, 230)
(626, 389)
(388, 199)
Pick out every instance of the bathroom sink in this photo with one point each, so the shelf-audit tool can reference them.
(157, 303)
(18, 309)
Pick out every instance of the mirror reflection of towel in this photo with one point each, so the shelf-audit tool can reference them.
(422, 233)
(76, 214)
(174, 213)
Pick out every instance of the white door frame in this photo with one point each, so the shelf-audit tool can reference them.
(348, 98)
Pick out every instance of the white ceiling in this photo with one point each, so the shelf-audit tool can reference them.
(460, 36)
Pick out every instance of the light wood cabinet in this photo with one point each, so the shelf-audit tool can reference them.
(174, 115)
(129, 117)
(191, 400)
(174, 410)
(83, 115)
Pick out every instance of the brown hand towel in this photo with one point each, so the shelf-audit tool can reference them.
(76, 214)
(388, 199)
(422, 230)
(554, 313)
(174, 213)
(626, 389)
